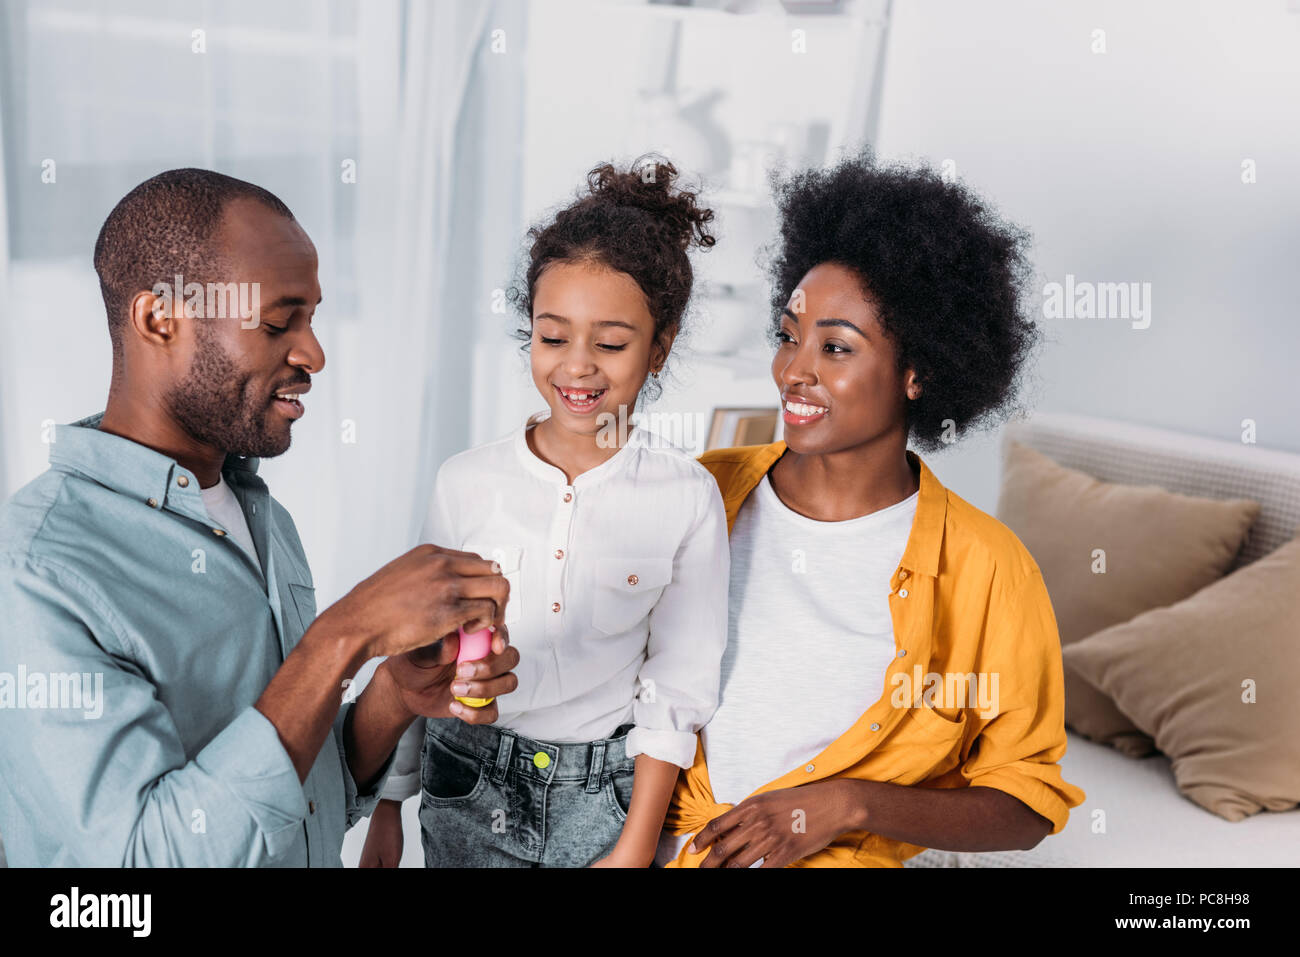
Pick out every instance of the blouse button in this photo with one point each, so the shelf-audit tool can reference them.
(559, 553)
(183, 481)
(632, 579)
(875, 727)
(568, 496)
(555, 606)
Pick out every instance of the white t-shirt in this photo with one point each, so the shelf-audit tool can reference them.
(224, 509)
(809, 639)
(618, 591)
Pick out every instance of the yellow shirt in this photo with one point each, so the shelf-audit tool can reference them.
(966, 598)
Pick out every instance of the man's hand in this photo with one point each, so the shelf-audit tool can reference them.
(418, 597)
(428, 680)
(779, 826)
(383, 847)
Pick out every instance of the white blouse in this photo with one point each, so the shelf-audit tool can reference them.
(618, 591)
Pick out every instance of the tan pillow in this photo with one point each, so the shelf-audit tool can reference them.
(1159, 548)
(1181, 673)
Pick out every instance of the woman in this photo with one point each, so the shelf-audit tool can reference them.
(892, 679)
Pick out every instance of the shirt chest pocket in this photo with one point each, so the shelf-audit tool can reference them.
(510, 558)
(304, 603)
(924, 745)
(625, 591)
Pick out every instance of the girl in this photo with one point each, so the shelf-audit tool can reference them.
(931, 704)
(615, 548)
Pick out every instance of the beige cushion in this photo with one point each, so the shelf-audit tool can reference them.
(1181, 673)
(1159, 548)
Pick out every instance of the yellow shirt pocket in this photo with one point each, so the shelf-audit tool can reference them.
(924, 744)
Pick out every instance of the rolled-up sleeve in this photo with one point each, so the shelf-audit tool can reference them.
(677, 686)
(357, 806)
(113, 779)
(404, 780)
(1017, 749)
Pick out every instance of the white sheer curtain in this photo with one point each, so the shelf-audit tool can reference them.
(389, 127)
(437, 180)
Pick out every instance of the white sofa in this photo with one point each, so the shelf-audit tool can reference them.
(1148, 822)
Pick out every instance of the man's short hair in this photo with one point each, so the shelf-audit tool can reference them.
(166, 227)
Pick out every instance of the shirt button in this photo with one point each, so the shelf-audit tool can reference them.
(555, 606)
(875, 727)
(902, 573)
(902, 593)
(809, 769)
(152, 503)
(568, 496)
(311, 807)
(902, 652)
(541, 760)
(559, 553)
(632, 579)
(219, 532)
(183, 481)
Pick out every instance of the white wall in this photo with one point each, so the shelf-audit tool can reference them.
(1127, 167)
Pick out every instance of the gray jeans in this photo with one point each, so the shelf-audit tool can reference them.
(492, 798)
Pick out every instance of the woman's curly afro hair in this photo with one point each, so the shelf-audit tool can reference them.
(635, 221)
(945, 272)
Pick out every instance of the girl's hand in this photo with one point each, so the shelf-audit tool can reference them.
(779, 826)
(383, 846)
(617, 858)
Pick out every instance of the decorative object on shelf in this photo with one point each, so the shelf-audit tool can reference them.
(679, 123)
(733, 427)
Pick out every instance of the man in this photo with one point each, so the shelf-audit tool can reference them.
(174, 700)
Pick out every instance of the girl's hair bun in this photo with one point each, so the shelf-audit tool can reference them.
(648, 185)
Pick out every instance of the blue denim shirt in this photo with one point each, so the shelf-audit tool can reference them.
(119, 595)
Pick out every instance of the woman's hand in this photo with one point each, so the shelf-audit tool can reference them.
(780, 827)
(383, 847)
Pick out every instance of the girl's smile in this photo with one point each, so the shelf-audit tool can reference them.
(580, 401)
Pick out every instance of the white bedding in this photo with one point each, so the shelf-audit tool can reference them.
(1148, 823)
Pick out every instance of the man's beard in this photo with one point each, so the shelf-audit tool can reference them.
(215, 404)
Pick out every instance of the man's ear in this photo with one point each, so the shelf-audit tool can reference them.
(153, 318)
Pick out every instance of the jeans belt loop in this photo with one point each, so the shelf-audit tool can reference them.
(504, 746)
(597, 767)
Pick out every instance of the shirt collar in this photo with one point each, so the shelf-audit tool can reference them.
(921, 556)
(544, 470)
(134, 469)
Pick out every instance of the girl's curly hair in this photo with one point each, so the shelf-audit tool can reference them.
(634, 221)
